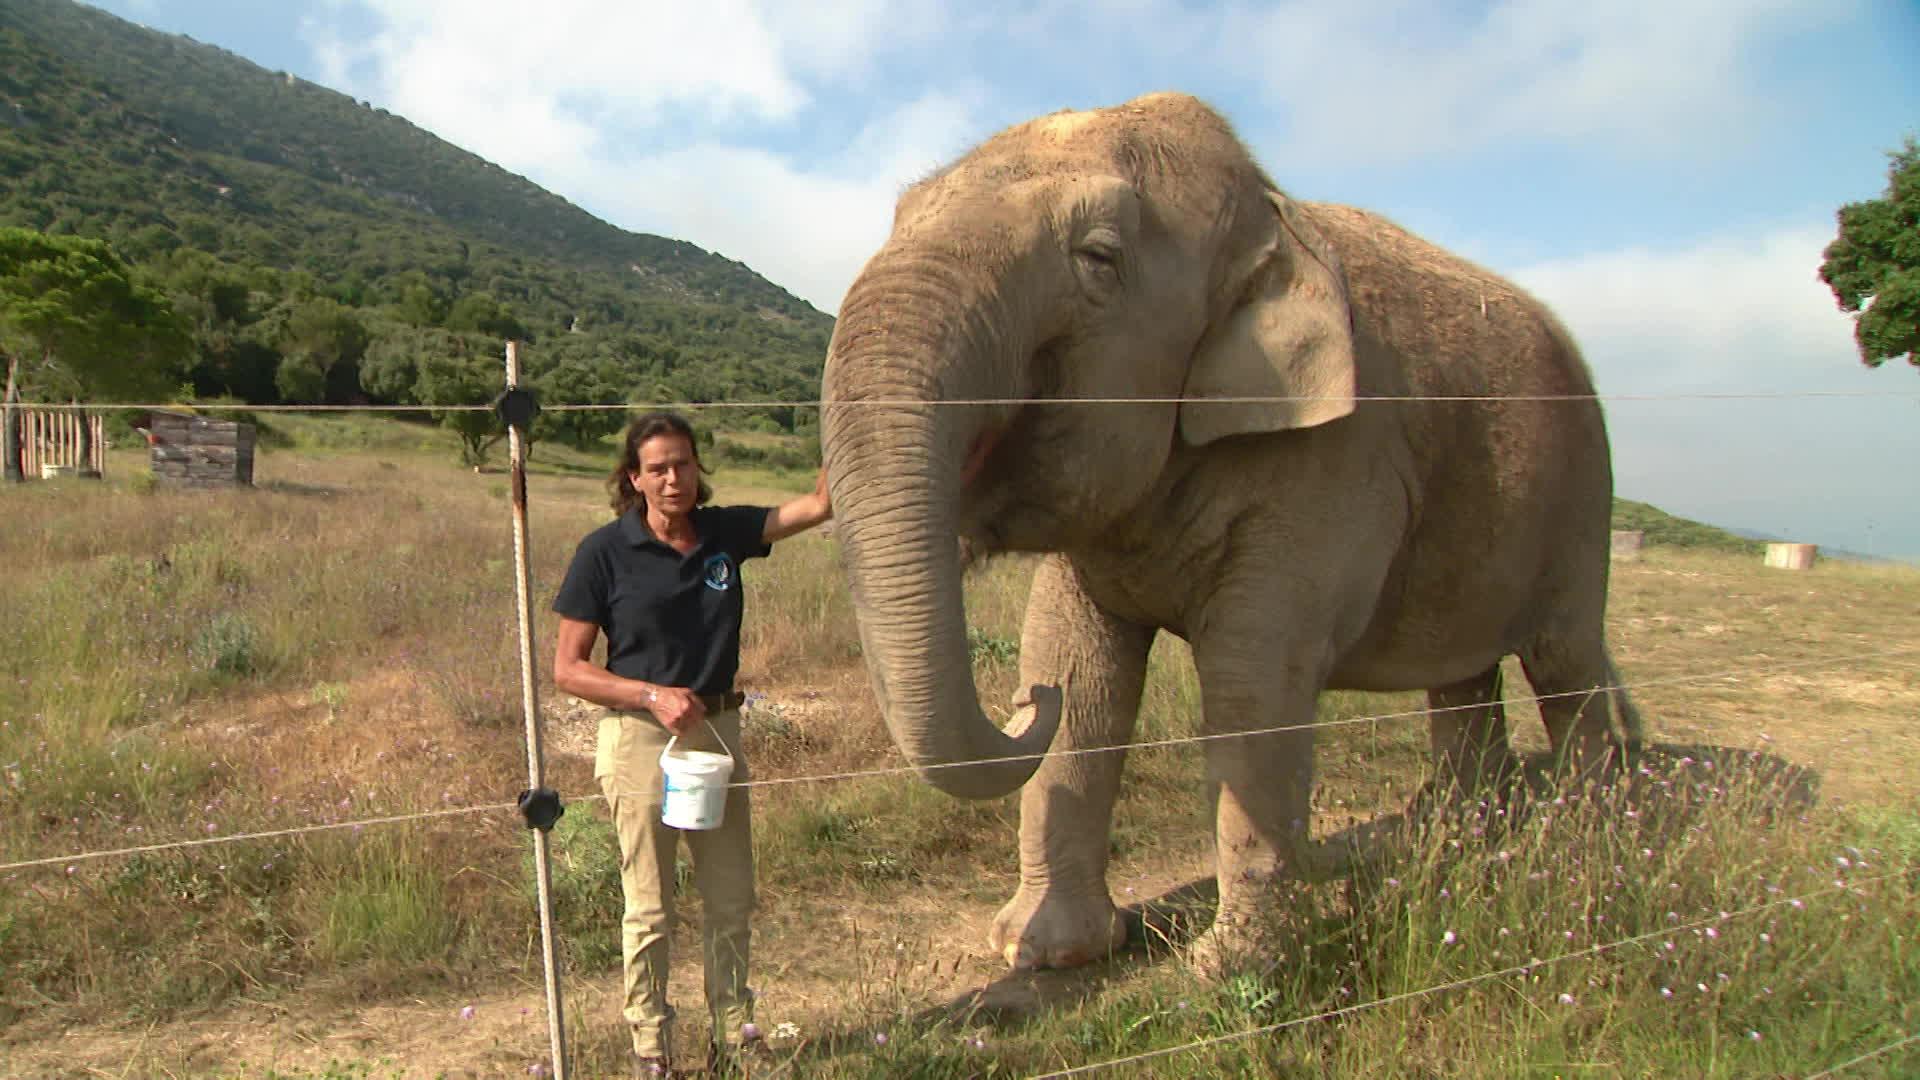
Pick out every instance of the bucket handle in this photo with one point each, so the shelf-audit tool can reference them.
(672, 739)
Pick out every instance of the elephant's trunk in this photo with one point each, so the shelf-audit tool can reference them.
(916, 333)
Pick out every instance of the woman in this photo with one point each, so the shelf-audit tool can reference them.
(662, 582)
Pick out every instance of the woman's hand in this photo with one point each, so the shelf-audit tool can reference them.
(574, 672)
(676, 707)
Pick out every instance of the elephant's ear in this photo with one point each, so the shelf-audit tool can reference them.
(1289, 341)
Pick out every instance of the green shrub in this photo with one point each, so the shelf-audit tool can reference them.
(228, 646)
(1665, 529)
(584, 857)
(388, 907)
(986, 648)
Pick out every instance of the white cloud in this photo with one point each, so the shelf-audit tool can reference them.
(1390, 80)
(522, 83)
(1745, 312)
(809, 228)
(1089, 40)
(805, 230)
(1739, 315)
(658, 117)
(840, 41)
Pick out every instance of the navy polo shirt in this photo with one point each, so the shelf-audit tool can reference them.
(669, 618)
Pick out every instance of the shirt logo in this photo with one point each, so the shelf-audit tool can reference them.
(720, 572)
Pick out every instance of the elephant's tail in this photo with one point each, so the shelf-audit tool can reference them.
(1633, 732)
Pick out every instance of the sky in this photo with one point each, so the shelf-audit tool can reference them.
(1663, 173)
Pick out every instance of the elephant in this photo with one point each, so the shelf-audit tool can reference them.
(1108, 337)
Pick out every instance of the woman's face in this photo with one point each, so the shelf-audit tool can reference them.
(669, 474)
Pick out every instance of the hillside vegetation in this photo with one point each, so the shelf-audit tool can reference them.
(326, 251)
(1669, 531)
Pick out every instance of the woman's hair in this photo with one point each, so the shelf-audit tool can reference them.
(619, 482)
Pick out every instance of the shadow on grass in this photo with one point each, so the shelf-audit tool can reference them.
(1671, 786)
(562, 468)
(290, 487)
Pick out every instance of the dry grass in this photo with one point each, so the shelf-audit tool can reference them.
(1824, 666)
(379, 677)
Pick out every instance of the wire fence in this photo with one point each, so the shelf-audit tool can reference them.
(1866, 1057)
(916, 403)
(1090, 1068)
(1850, 658)
(71, 860)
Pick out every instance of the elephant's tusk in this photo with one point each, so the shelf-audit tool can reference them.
(978, 453)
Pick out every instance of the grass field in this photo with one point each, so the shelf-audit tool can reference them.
(337, 645)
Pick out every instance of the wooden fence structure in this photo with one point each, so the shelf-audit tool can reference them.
(61, 444)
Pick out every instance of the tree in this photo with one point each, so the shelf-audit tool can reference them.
(321, 336)
(480, 313)
(420, 300)
(392, 366)
(452, 379)
(577, 369)
(1873, 266)
(73, 322)
(436, 367)
(225, 312)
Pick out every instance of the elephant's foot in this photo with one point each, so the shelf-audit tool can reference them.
(1050, 928)
(1236, 944)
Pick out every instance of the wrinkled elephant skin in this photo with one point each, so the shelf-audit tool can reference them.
(1261, 488)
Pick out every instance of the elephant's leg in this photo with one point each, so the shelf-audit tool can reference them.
(1633, 730)
(1573, 680)
(1469, 733)
(1263, 782)
(1062, 915)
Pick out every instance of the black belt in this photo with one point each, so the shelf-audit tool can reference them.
(726, 702)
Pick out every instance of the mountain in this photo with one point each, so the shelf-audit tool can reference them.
(252, 196)
(1666, 529)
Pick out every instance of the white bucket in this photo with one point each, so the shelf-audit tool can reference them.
(696, 786)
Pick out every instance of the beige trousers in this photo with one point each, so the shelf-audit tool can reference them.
(627, 764)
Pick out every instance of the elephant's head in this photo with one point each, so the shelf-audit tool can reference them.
(1124, 254)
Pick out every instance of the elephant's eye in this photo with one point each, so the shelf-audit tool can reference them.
(1097, 259)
